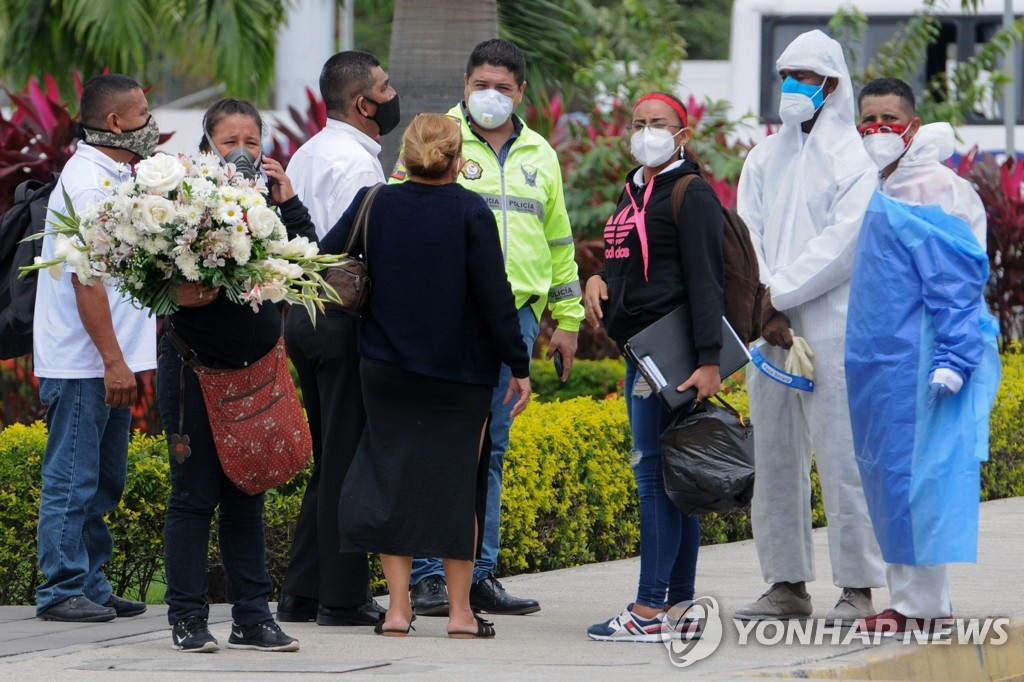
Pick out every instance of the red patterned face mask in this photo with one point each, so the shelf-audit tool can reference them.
(875, 128)
(885, 142)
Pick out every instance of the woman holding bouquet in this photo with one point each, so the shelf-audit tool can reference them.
(223, 334)
(440, 321)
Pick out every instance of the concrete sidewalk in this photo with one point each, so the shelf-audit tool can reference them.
(552, 644)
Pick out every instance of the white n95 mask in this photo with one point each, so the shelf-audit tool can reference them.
(884, 148)
(653, 147)
(799, 101)
(489, 108)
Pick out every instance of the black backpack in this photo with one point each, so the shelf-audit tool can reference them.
(743, 289)
(18, 296)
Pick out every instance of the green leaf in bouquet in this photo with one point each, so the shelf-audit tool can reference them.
(160, 297)
(42, 265)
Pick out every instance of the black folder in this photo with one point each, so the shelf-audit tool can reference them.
(664, 354)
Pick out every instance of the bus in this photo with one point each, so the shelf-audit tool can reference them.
(761, 30)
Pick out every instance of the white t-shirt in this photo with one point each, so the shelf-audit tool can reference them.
(331, 168)
(62, 349)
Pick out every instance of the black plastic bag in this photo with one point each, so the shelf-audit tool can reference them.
(707, 459)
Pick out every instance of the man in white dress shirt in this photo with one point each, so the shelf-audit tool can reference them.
(322, 584)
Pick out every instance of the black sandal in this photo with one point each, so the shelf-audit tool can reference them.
(379, 628)
(484, 630)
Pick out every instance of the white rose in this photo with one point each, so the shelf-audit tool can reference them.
(262, 221)
(154, 211)
(160, 173)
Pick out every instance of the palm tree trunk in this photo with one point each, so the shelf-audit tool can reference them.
(430, 43)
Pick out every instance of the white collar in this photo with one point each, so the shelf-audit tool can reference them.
(95, 156)
(638, 177)
(362, 138)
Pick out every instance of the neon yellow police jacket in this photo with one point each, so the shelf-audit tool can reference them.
(526, 197)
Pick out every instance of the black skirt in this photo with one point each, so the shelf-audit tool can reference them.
(418, 482)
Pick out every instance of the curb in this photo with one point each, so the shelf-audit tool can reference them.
(935, 661)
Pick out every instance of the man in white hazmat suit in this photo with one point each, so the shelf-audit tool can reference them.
(922, 359)
(803, 192)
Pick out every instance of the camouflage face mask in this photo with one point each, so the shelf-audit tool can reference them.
(141, 141)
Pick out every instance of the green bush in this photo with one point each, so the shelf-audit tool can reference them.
(569, 496)
(1003, 474)
(137, 524)
(593, 378)
(21, 455)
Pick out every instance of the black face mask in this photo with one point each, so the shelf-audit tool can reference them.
(388, 114)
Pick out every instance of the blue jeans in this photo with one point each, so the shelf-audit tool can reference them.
(84, 471)
(501, 422)
(669, 540)
(198, 487)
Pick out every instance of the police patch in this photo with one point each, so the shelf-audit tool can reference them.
(472, 170)
(529, 174)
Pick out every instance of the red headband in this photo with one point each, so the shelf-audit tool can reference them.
(667, 100)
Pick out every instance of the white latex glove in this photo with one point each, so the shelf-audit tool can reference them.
(949, 378)
(798, 359)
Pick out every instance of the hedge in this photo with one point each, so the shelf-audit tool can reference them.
(569, 496)
(593, 378)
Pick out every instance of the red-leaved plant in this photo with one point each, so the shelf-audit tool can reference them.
(38, 139)
(1001, 188)
(303, 125)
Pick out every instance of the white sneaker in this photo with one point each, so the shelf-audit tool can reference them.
(629, 627)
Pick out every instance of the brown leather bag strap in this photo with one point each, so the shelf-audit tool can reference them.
(188, 356)
(362, 220)
(679, 193)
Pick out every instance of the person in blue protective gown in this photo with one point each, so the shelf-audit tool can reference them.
(922, 364)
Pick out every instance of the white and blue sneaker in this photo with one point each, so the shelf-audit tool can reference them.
(684, 625)
(629, 627)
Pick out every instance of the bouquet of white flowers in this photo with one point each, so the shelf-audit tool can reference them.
(189, 219)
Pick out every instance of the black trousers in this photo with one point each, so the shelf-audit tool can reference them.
(327, 360)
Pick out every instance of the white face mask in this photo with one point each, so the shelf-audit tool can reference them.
(884, 148)
(795, 108)
(799, 100)
(489, 108)
(653, 147)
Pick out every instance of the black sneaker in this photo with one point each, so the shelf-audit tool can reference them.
(266, 636)
(429, 597)
(192, 636)
(488, 595)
